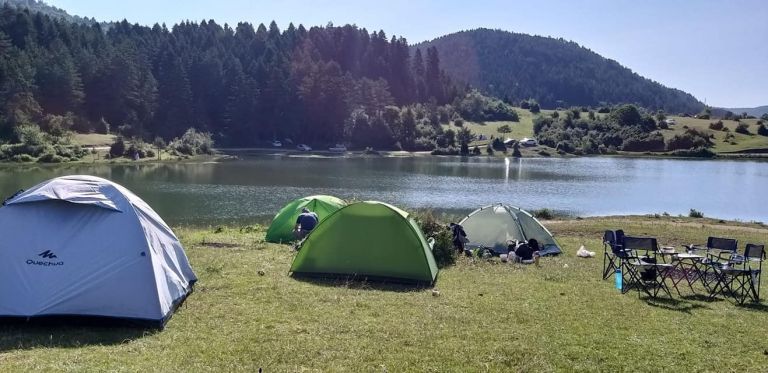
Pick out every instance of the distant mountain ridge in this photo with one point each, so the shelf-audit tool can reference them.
(755, 111)
(552, 71)
(49, 10)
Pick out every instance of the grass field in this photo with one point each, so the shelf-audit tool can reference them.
(741, 142)
(93, 139)
(488, 317)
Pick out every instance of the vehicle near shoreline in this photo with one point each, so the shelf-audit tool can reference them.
(528, 142)
(304, 147)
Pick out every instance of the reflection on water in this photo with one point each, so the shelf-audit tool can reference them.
(255, 187)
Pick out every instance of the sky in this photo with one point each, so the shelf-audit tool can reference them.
(716, 50)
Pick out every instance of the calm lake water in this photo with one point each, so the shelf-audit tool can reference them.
(254, 188)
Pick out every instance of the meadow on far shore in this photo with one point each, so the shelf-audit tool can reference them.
(739, 146)
(489, 316)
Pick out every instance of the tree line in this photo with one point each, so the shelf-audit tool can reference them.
(243, 84)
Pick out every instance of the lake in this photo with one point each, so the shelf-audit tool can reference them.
(253, 188)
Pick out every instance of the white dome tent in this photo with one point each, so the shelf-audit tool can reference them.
(493, 226)
(84, 246)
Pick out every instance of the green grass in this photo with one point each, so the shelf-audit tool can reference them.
(93, 139)
(488, 317)
(742, 142)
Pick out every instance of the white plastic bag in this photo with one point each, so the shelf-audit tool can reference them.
(584, 253)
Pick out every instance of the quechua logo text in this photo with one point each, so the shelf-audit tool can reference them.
(49, 255)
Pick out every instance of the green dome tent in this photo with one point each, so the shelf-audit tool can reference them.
(281, 229)
(370, 239)
(492, 226)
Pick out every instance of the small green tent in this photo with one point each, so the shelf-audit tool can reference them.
(492, 226)
(369, 239)
(281, 229)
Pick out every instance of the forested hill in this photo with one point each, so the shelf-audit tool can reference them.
(555, 72)
(42, 7)
(244, 84)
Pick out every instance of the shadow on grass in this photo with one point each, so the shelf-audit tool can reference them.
(754, 307)
(362, 283)
(700, 298)
(673, 304)
(19, 334)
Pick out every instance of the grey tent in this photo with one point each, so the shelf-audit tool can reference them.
(85, 246)
(494, 225)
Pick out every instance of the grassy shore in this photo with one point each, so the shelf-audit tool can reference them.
(488, 317)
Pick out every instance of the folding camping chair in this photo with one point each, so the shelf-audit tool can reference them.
(613, 252)
(738, 278)
(719, 251)
(643, 271)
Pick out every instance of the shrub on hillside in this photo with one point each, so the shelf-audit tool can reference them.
(717, 126)
(695, 214)
(692, 138)
(650, 143)
(555, 115)
(505, 129)
(543, 214)
(535, 108)
(743, 128)
(762, 130)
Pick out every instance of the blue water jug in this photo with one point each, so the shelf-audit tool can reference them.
(619, 279)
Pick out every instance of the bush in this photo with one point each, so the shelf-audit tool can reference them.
(23, 158)
(193, 143)
(51, 158)
(443, 250)
(743, 128)
(505, 129)
(499, 145)
(31, 135)
(446, 151)
(543, 214)
(762, 130)
(117, 149)
(516, 150)
(535, 108)
(489, 150)
(555, 114)
(692, 138)
(458, 122)
(695, 214)
(694, 153)
(424, 143)
(544, 153)
(717, 126)
(476, 150)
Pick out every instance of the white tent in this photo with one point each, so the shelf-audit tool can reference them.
(84, 246)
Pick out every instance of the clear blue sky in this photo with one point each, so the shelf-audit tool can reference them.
(716, 50)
